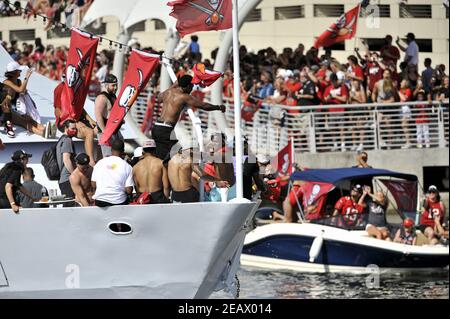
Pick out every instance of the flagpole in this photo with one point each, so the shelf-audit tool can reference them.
(237, 105)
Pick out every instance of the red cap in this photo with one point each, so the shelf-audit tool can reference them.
(408, 223)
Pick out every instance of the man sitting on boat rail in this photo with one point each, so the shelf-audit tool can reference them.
(349, 207)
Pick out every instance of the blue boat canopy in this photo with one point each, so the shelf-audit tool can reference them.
(338, 175)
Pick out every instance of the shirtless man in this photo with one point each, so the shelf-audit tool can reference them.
(151, 176)
(175, 99)
(80, 181)
(103, 106)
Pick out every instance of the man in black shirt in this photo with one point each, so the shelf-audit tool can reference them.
(251, 172)
(10, 177)
(307, 95)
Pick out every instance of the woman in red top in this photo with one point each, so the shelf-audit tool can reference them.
(434, 211)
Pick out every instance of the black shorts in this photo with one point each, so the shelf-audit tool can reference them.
(162, 134)
(189, 196)
(159, 198)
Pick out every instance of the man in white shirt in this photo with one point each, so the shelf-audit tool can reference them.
(112, 178)
(412, 51)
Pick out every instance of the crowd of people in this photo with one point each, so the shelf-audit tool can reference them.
(73, 11)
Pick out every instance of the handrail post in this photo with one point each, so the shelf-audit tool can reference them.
(376, 133)
(312, 133)
(441, 127)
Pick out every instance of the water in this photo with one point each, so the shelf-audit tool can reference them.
(263, 284)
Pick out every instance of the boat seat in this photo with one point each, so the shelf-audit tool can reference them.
(422, 240)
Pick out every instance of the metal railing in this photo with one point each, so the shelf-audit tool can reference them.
(325, 129)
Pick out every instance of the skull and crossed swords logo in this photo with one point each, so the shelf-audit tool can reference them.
(214, 13)
(74, 74)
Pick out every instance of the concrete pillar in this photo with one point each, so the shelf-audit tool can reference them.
(172, 41)
(119, 57)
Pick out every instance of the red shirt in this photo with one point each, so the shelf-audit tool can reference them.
(357, 71)
(295, 195)
(348, 208)
(393, 51)
(293, 86)
(57, 98)
(434, 210)
(422, 114)
(341, 91)
(408, 94)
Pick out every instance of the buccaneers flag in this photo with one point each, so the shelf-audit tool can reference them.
(204, 77)
(343, 29)
(140, 69)
(284, 161)
(405, 194)
(201, 15)
(314, 197)
(80, 63)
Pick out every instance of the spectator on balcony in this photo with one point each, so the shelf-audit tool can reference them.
(354, 71)
(422, 121)
(385, 93)
(336, 94)
(427, 74)
(264, 88)
(359, 120)
(411, 51)
(443, 92)
(299, 57)
(390, 53)
(406, 95)
(307, 94)
(279, 93)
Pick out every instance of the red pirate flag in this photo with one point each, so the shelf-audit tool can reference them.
(201, 15)
(140, 69)
(344, 29)
(314, 196)
(204, 77)
(80, 63)
(284, 161)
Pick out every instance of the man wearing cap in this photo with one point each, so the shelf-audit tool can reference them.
(112, 178)
(433, 210)
(103, 106)
(80, 181)
(150, 175)
(10, 181)
(348, 206)
(411, 51)
(175, 100)
(85, 125)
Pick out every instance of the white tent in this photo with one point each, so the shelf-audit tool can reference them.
(130, 12)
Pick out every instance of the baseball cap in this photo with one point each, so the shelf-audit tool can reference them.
(110, 79)
(138, 152)
(82, 159)
(20, 154)
(149, 144)
(408, 223)
(433, 189)
(358, 188)
(14, 66)
(325, 63)
(411, 35)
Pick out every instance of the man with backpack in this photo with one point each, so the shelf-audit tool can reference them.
(65, 153)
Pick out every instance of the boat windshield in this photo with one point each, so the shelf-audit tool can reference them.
(347, 222)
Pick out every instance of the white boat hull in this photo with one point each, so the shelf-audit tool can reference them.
(289, 247)
(174, 251)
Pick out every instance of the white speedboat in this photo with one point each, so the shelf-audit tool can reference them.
(161, 251)
(329, 245)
